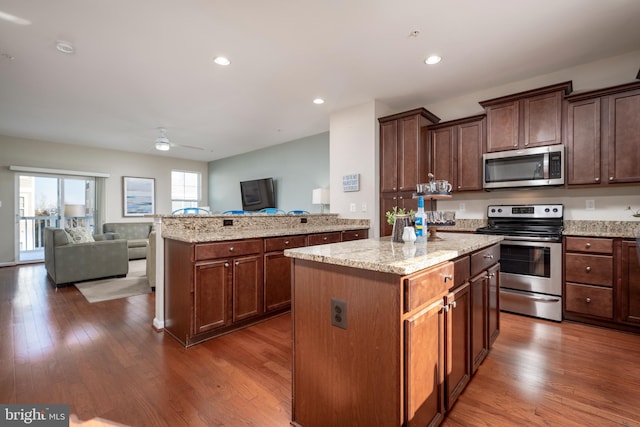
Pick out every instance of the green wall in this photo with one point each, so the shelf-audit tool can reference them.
(297, 167)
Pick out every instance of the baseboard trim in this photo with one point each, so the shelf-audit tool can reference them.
(158, 325)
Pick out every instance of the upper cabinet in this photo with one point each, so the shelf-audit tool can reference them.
(526, 119)
(603, 136)
(455, 152)
(403, 153)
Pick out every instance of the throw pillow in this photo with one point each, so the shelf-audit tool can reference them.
(79, 235)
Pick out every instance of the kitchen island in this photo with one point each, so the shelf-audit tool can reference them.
(390, 333)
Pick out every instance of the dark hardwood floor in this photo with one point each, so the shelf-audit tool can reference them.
(105, 360)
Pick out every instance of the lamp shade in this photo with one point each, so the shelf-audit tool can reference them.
(73, 211)
(320, 196)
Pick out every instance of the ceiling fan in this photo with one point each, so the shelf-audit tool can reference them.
(163, 143)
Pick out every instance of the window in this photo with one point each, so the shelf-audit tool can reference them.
(185, 190)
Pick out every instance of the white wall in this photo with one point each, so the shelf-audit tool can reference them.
(354, 135)
(32, 153)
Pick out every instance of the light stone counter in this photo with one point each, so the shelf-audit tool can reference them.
(212, 228)
(626, 229)
(384, 256)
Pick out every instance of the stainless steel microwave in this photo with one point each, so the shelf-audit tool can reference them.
(530, 167)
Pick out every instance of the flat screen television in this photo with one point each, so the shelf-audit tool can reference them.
(258, 194)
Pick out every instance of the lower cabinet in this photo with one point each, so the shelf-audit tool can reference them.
(213, 288)
(457, 350)
(602, 282)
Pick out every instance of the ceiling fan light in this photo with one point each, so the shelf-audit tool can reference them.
(163, 145)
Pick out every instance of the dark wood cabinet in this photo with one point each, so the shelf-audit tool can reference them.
(629, 295)
(277, 271)
(603, 134)
(247, 287)
(403, 154)
(455, 152)
(588, 277)
(526, 119)
(425, 340)
(458, 352)
(479, 318)
(212, 296)
(493, 303)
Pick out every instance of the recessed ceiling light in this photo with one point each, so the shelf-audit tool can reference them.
(433, 59)
(318, 101)
(221, 60)
(65, 47)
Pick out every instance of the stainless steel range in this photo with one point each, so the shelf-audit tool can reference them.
(530, 258)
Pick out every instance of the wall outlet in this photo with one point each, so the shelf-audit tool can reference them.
(339, 313)
(352, 207)
(364, 207)
(462, 207)
(590, 205)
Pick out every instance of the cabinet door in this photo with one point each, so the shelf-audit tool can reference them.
(389, 156)
(542, 121)
(624, 137)
(247, 287)
(479, 341)
(412, 154)
(424, 370)
(277, 281)
(629, 305)
(494, 303)
(442, 153)
(211, 295)
(470, 146)
(458, 351)
(503, 126)
(583, 142)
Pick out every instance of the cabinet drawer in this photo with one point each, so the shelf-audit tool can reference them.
(589, 244)
(591, 269)
(225, 249)
(355, 235)
(461, 270)
(485, 258)
(321, 239)
(274, 244)
(592, 300)
(424, 287)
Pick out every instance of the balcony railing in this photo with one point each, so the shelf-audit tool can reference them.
(32, 232)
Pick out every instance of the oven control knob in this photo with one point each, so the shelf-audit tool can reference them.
(555, 209)
(499, 210)
(546, 210)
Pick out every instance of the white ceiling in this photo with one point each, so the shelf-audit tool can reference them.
(147, 63)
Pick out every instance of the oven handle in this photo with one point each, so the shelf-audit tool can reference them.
(532, 239)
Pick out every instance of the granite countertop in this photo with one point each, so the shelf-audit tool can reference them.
(384, 256)
(232, 233)
(626, 229)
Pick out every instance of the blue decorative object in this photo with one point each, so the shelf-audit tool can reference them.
(271, 211)
(297, 212)
(234, 212)
(190, 211)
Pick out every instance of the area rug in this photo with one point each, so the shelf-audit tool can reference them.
(135, 283)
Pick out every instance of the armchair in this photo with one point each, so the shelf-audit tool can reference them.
(67, 262)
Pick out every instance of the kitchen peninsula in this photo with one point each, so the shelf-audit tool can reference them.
(226, 272)
(390, 333)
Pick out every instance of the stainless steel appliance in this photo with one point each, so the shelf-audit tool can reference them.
(530, 258)
(530, 167)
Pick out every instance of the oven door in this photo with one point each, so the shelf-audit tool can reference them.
(531, 266)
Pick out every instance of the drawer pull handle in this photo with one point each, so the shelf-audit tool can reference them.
(448, 277)
(286, 242)
(588, 300)
(610, 178)
(226, 264)
(237, 263)
(453, 304)
(357, 235)
(588, 269)
(588, 245)
(597, 178)
(492, 275)
(324, 238)
(231, 249)
(445, 308)
(490, 256)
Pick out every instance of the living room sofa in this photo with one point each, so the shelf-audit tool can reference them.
(135, 233)
(67, 262)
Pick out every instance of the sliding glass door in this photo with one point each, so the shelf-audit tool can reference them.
(51, 201)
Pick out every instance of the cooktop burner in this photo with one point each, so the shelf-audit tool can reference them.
(542, 221)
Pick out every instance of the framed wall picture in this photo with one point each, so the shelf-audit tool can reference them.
(139, 196)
